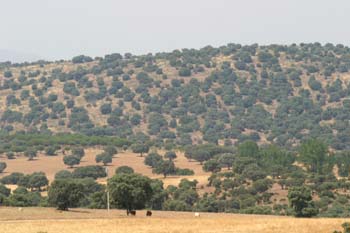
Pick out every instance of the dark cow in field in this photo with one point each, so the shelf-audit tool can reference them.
(132, 212)
(149, 213)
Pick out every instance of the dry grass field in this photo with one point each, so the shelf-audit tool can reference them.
(46, 220)
(50, 165)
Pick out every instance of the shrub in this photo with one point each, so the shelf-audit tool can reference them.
(184, 72)
(124, 169)
(81, 59)
(105, 158)
(63, 174)
(184, 172)
(170, 155)
(13, 178)
(71, 160)
(92, 171)
(3, 166)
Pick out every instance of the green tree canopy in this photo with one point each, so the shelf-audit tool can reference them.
(300, 200)
(314, 154)
(65, 194)
(130, 191)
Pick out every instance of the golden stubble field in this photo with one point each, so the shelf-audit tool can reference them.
(47, 220)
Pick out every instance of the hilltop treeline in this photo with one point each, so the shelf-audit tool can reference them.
(278, 94)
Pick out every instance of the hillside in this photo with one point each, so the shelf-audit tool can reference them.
(239, 129)
(276, 93)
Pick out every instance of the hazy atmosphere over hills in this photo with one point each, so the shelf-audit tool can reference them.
(125, 116)
(62, 29)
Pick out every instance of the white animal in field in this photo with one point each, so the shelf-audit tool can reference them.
(20, 209)
(197, 215)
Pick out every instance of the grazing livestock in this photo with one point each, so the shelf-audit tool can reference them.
(149, 213)
(132, 212)
(20, 209)
(197, 215)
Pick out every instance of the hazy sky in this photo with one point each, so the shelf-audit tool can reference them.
(55, 29)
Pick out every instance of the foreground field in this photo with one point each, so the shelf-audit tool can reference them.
(34, 220)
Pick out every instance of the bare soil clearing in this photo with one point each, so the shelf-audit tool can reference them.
(50, 165)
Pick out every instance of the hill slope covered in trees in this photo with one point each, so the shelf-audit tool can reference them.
(276, 93)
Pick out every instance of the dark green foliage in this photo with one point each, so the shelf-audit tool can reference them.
(130, 191)
(10, 155)
(3, 166)
(184, 172)
(111, 150)
(106, 109)
(30, 153)
(159, 195)
(22, 197)
(70, 88)
(64, 194)
(7, 74)
(124, 170)
(91, 171)
(37, 180)
(152, 159)
(140, 148)
(50, 151)
(171, 155)
(165, 167)
(104, 158)
(71, 160)
(248, 149)
(301, 201)
(78, 152)
(211, 166)
(314, 153)
(81, 59)
(4, 191)
(63, 174)
(13, 178)
(184, 72)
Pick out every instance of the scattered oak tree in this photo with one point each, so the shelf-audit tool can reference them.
(71, 160)
(130, 191)
(140, 148)
(300, 200)
(105, 158)
(65, 194)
